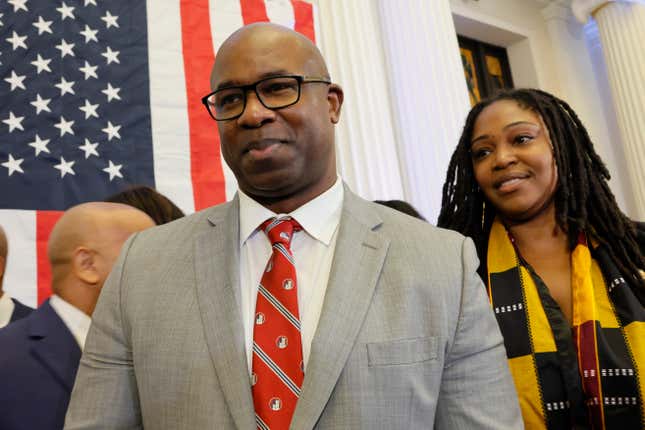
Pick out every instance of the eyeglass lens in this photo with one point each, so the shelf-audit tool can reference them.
(273, 93)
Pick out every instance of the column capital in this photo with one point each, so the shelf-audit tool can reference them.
(584, 9)
(556, 9)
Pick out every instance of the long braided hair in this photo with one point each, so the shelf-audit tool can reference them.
(583, 200)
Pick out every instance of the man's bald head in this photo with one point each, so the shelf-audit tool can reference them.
(269, 35)
(84, 245)
(93, 224)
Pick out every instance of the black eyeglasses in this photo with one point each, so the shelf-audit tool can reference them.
(276, 92)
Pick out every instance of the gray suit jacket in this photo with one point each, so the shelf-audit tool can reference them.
(406, 338)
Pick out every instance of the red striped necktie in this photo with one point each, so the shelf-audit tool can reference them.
(278, 368)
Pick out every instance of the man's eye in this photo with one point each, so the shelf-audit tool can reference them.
(279, 87)
(228, 99)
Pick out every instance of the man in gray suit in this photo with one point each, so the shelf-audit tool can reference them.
(393, 320)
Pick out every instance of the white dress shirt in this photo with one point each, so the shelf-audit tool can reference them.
(76, 320)
(6, 309)
(312, 249)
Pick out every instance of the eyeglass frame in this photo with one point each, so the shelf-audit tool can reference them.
(254, 86)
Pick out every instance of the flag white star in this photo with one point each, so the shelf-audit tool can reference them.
(43, 26)
(1, 15)
(65, 86)
(89, 148)
(16, 81)
(66, 11)
(39, 145)
(65, 48)
(114, 170)
(88, 2)
(89, 34)
(14, 122)
(89, 70)
(18, 4)
(41, 104)
(18, 41)
(65, 167)
(112, 131)
(110, 20)
(89, 109)
(14, 165)
(111, 56)
(111, 92)
(64, 126)
(41, 64)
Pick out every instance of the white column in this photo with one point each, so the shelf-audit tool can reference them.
(621, 25)
(428, 93)
(579, 86)
(350, 41)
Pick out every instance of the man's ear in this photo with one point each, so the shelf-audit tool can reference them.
(84, 265)
(335, 97)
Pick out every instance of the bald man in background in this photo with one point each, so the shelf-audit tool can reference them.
(40, 354)
(10, 309)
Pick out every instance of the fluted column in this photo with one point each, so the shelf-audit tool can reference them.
(579, 85)
(367, 154)
(429, 95)
(621, 25)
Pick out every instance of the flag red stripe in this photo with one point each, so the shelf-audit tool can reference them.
(253, 11)
(45, 221)
(304, 16)
(197, 43)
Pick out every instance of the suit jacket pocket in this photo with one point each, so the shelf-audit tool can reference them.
(405, 351)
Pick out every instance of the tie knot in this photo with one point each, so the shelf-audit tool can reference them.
(280, 230)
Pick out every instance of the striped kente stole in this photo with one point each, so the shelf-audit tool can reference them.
(591, 375)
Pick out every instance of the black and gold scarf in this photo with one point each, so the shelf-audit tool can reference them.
(591, 375)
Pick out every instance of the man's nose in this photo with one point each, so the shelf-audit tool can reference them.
(255, 113)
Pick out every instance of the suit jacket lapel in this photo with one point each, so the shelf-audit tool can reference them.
(358, 259)
(216, 256)
(54, 346)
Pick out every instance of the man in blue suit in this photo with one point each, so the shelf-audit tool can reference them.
(39, 354)
(10, 309)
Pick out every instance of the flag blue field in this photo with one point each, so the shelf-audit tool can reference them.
(75, 111)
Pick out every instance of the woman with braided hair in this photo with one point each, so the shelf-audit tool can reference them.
(562, 264)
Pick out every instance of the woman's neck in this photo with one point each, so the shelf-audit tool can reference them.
(540, 235)
(545, 246)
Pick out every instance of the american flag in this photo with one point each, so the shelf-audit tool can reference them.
(98, 94)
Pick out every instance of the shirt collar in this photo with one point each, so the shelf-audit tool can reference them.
(76, 320)
(318, 217)
(6, 309)
(5, 300)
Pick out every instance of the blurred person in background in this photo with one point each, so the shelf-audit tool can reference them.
(39, 354)
(160, 208)
(401, 206)
(10, 309)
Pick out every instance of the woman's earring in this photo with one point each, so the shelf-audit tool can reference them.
(483, 213)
